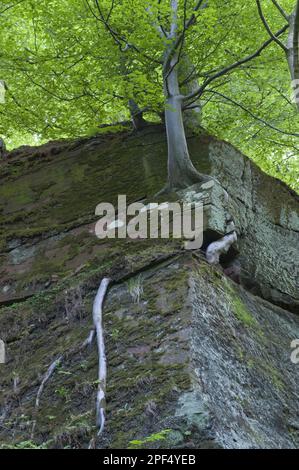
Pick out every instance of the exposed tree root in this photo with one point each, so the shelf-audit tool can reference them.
(89, 339)
(92, 444)
(102, 372)
(199, 180)
(215, 249)
(47, 376)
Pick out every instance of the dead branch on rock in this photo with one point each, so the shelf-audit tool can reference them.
(102, 371)
(215, 249)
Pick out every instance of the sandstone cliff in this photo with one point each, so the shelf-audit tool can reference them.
(197, 358)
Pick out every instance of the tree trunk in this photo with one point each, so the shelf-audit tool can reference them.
(293, 52)
(186, 71)
(181, 172)
(138, 121)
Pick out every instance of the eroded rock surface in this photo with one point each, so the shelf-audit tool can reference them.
(191, 354)
(48, 196)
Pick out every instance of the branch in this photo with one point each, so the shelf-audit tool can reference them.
(111, 10)
(174, 21)
(11, 6)
(281, 10)
(234, 66)
(282, 144)
(239, 105)
(159, 21)
(57, 97)
(184, 30)
(119, 39)
(259, 7)
(195, 100)
(193, 17)
(52, 126)
(105, 22)
(159, 28)
(293, 52)
(181, 37)
(180, 44)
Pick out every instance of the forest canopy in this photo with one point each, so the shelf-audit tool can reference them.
(70, 66)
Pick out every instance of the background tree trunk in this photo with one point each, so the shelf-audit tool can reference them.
(293, 52)
(136, 115)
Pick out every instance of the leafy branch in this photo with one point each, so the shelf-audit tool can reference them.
(235, 65)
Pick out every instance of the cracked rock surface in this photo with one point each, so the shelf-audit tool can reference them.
(190, 351)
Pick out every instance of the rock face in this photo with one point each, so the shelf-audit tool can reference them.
(267, 217)
(194, 358)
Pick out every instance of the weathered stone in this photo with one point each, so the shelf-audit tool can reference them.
(42, 196)
(198, 355)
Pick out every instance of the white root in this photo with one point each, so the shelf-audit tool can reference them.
(89, 339)
(102, 371)
(215, 249)
(47, 376)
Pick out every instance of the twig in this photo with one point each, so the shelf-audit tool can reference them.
(235, 65)
(281, 10)
(118, 38)
(11, 6)
(263, 121)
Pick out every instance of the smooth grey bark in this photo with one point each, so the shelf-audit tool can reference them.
(187, 77)
(293, 51)
(181, 172)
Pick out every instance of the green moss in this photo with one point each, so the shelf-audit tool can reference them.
(272, 373)
(264, 367)
(24, 445)
(238, 306)
(16, 194)
(41, 321)
(242, 314)
(150, 440)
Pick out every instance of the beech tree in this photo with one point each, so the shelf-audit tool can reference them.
(70, 66)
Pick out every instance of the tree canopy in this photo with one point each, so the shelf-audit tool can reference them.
(71, 65)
